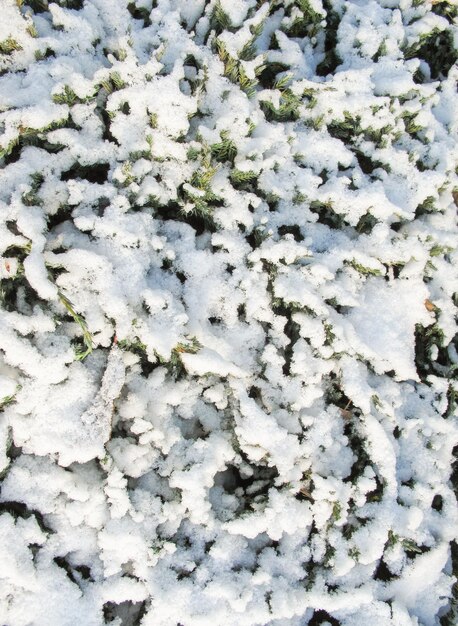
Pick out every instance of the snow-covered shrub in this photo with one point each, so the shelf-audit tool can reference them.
(228, 341)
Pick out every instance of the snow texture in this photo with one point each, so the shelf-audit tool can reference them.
(228, 323)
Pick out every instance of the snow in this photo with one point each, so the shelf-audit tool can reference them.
(418, 580)
(210, 362)
(228, 312)
(385, 324)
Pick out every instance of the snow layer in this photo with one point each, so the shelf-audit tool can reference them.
(228, 354)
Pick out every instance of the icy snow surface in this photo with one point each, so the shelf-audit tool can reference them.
(228, 284)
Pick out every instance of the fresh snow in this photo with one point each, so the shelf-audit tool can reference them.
(228, 312)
